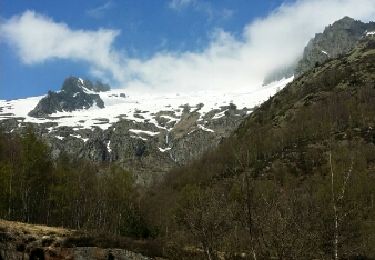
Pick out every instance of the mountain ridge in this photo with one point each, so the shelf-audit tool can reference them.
(147, 134)
(335, 40)
(75, 93)
(299, 171)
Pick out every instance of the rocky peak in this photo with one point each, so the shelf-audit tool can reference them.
(74, 84)
(336, 39)
(346, 23)
(75, 93)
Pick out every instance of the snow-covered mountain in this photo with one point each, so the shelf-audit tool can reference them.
(144, 132)
(139, 107)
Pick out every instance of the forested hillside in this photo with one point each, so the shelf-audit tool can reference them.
(295, 181)
(66, 193)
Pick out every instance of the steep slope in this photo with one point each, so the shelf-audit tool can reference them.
(332, 102)
(294, 181)
(145, 133)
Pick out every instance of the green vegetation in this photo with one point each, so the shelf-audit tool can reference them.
(295, 181)
(65, 193)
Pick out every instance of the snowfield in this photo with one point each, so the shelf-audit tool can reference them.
(141, 107)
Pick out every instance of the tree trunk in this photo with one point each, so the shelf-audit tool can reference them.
(335, 212)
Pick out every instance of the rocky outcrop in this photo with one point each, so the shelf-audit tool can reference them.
(144, 148)
(29, 242)
(75, 94)
(336, 39)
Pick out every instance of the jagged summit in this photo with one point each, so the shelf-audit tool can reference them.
(336, 39)
(147, 133)
(75, 93)
(74, 84)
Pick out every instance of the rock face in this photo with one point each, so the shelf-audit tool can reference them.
(30, 242)
(75, 94)
(147, 152)
(336, 39)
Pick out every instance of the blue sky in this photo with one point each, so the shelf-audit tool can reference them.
(152, 43)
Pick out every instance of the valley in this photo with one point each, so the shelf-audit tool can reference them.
(279, 170)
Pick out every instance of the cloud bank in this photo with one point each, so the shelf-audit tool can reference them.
(227, 63)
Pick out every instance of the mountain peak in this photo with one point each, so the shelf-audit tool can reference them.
(345, 20)
(75, 84)
(336, 39)
(75, 93)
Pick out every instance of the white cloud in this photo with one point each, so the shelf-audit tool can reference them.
(99, 11)
(37, 38)
(266, 44)
(180, 4)
(227, 63)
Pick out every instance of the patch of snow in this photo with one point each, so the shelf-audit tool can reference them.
(171, 119)
(139, 137)
(80, 137)
(59, 137)
(370, 33)
(88, 91)
(80, 81)
(145, 104)
(164, 150)
(324, 52)
(109, 146)
(220, 114)
(192, 131)
(137, 131)
(205, 129)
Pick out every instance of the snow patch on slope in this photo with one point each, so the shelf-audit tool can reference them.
(141, 107)
(136, 131)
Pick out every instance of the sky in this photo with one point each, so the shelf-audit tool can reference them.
(158, 45)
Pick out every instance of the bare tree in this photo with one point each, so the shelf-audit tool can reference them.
(337, 201)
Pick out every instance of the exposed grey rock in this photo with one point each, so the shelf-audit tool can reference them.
(147, 156)
(336, 39)
(75, 94)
